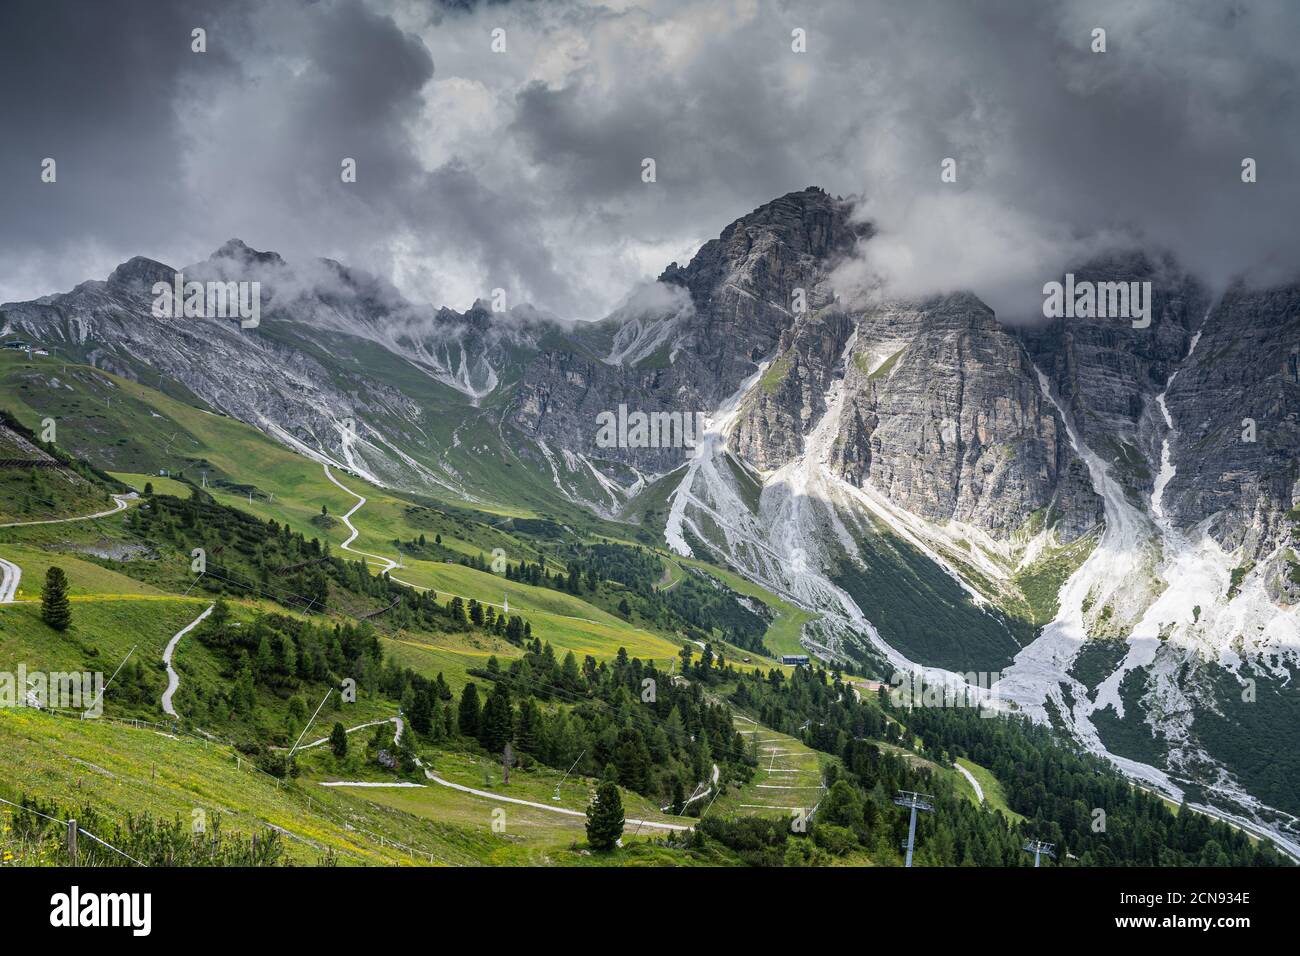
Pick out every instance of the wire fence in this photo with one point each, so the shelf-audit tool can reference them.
(72, 827)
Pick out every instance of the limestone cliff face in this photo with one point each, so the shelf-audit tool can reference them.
(1197, 378)
(1107, 373)
(743, 283)
(791, 396)
(1241, 382)
(953, 425)
(742, 305)
(332, 346)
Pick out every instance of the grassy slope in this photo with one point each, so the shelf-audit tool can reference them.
(783, 634)
(123, 770)
(563, 619)
(161, 485)
(84, 577)
(994, 796)
(789, 776)
(291, 489)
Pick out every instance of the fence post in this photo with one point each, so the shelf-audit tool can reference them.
(72, 842)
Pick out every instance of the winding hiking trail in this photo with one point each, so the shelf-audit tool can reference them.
(387, 564)
(627, 822)
(429, 774)
(979, 791)
(174, 679)
(347, 730)
(484, 794)
(702, 790)
(498, 798)
(11, 574)
(121, 502)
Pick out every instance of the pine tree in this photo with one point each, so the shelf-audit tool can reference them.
(605, 815)
(55, 609)
(569, 672)
(421, 711)
(469, 711)
(339, 741)
(679, 797)
(497, 725)
(456, 610)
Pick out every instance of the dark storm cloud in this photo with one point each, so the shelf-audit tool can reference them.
(91, 86)
(522, 170)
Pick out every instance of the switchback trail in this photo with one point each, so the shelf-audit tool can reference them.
(174, 679)
(121, 504)
(386, 564)
(11, 574)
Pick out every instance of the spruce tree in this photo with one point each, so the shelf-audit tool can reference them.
(605, 814)
(339, 741)
(469, 711)
(679, 797)
(497, 725)
(421, 711)
(55, 609)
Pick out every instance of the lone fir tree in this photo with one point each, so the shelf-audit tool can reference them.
(339, 741)
(605, 814)
(55, 609)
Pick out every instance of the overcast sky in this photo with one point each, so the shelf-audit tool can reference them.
(522, 169)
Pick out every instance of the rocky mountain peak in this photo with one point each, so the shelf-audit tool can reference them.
(808, 223)
(240, 251)
(140, 271)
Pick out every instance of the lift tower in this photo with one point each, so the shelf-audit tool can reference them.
(915, 801)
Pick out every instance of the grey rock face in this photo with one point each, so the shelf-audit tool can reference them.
(742, 295)
(791, 396)
(954, 425)
(1107, 373)
(743, 283)
(333, 346)
(1241, 382)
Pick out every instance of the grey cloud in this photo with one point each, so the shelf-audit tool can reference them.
(522, 170)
